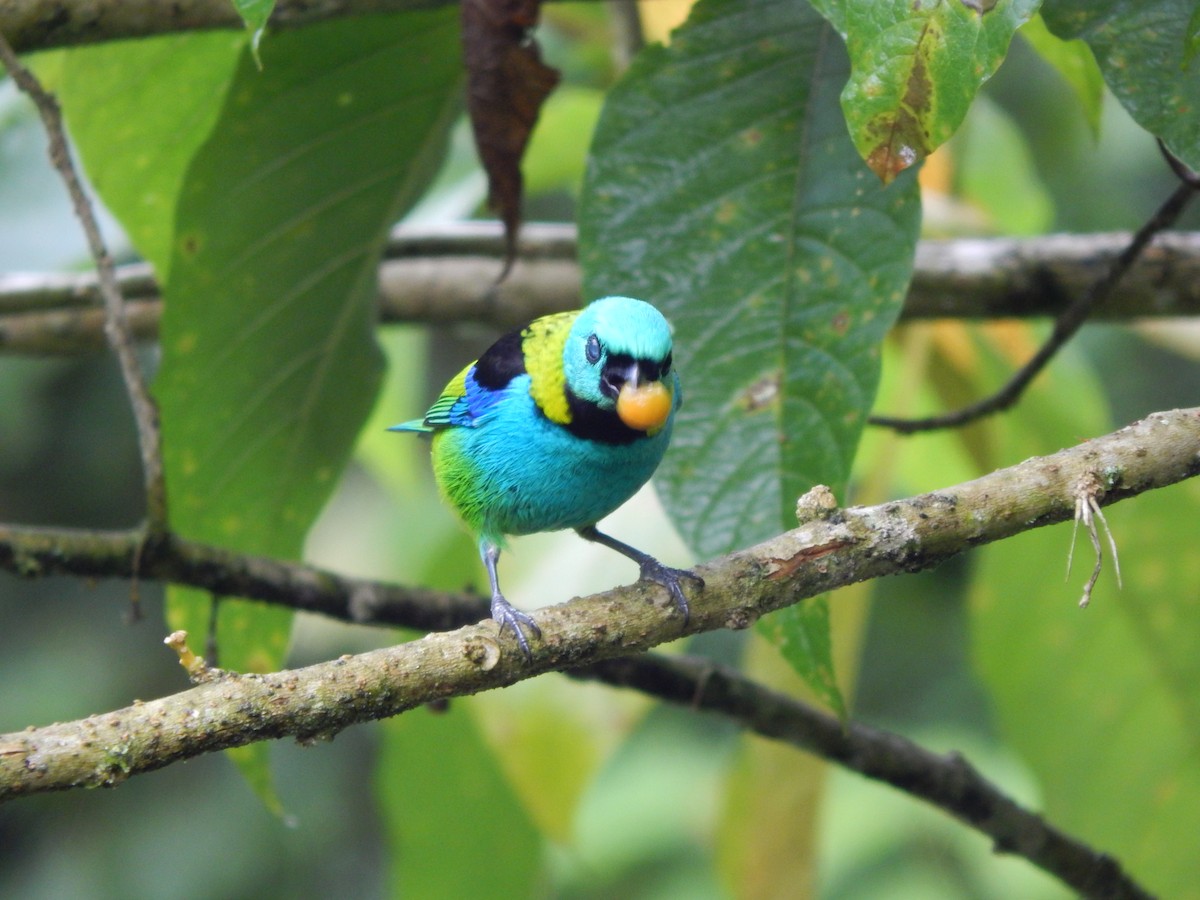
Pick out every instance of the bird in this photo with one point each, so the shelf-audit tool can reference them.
(555, 426)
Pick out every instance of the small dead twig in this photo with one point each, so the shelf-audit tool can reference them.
(116, 328)
(1070, 320)
(197, 668)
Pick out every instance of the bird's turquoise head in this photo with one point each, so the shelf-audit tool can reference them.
(618, 357)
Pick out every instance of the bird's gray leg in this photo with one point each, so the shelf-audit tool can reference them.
(504, 613)
(651, 568)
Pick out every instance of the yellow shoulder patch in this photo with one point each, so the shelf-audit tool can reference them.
(542, 343)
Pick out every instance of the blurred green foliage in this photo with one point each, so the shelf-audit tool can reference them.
(553, 787)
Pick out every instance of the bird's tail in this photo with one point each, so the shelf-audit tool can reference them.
(416, 425)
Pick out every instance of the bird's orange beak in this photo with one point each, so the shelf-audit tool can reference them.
(644, 407)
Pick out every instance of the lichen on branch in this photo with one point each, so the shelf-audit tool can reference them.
(837, 548)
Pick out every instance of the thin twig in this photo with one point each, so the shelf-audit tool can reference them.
(116, 329)
(1065, 325)
(39, 552)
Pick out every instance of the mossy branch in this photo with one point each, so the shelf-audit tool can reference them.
(832, 549)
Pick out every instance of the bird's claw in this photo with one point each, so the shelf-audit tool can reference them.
(653, 570)
(508, 616)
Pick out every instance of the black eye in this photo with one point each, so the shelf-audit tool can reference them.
(666, 366)
(592, 349)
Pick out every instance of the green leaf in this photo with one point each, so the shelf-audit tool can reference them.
(723, 188)
(138, 111)
(916, 67)
(452, 821)
(802, 634)
(269, 361)
(1102, 703)
(1144, 49)
(1075, 62)
(777, 260)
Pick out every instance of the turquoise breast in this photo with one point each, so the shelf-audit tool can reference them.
(516, 472)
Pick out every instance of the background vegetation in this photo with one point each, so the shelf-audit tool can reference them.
(224, 176)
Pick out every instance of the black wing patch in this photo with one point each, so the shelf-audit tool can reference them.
(501, 362)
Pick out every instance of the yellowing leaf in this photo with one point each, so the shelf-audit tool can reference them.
(915, 68)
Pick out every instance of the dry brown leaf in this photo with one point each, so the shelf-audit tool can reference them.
(507, 82)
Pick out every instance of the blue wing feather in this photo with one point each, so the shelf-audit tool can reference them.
(478, 401)
(463, 403)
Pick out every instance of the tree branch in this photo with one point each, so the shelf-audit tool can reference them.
(447, 274)
(44, 24)
(949, 783)
(838, 548)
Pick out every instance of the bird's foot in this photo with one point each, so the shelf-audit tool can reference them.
(653, 570)
(508, 616)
